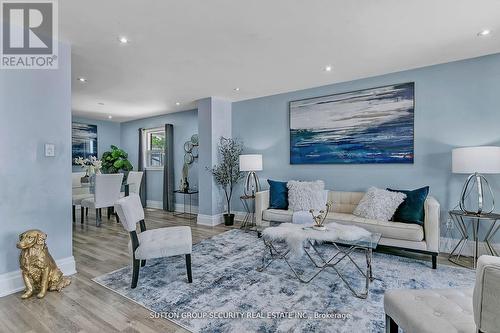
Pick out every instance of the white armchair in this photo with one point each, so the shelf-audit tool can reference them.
(150, 244)
(448, 310)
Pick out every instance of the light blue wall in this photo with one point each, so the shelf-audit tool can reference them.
(185, 124)
(35, 191)
(457, 104)
(108, 133)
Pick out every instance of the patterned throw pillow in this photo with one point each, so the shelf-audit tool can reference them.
(306, 195)
(378, 204)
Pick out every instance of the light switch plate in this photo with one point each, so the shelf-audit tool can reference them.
(50, 150)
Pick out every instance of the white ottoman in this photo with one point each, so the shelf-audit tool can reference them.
(430, 310)
(449, 310)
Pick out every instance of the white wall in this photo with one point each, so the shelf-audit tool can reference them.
(35, 191)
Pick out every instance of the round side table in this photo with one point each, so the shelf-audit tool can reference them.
(464, 221)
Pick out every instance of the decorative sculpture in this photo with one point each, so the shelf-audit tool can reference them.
(184, 179)
(38, 268)
(191, 153)
(319, 220)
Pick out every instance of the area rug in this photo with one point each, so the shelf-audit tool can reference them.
(228, 294)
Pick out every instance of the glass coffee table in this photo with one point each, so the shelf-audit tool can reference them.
(312, 240)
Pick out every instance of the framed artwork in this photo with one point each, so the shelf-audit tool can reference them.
(373, 125)
(84, 140)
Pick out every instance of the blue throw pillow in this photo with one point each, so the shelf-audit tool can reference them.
(278, 194)
(412, 208)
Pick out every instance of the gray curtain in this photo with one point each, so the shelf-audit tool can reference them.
(168, 170)
(140, 167)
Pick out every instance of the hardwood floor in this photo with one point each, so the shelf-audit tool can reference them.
(85, 306)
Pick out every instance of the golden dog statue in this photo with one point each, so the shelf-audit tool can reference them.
(39, 269)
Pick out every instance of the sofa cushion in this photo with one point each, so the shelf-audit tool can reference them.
(303, 196)
(277, 215)
(379, 204)
(388, 229)
(431, 310)
(163, 242)
(278, 194)
(412, 208)
(344, 202)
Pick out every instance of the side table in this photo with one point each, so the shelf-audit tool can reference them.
(460, 218)
(187, 214)
(248, 202)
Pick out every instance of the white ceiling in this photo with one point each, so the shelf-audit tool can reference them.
(184, 50)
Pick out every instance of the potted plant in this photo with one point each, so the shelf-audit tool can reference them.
(228, 173)
(115, 161)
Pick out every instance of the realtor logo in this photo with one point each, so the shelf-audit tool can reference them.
(29, 34)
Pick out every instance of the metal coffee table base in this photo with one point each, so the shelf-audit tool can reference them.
(272, 253)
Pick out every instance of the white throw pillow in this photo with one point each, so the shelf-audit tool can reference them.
(306, 195)
(378, 204)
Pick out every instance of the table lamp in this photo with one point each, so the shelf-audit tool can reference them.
(476, 161)
(251, 163)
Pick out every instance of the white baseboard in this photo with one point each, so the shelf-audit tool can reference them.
(179, 207)
(212, 220)
(447, 244)
(239, 216)
(12, 282)
(209, 220)
(154, 204)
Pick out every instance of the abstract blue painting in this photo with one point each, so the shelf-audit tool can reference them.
(366, 126)
(84, 140)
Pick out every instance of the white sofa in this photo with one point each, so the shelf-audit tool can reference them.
(406, 236)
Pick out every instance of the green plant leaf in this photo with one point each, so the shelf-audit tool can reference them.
(127, 165)
(115, 161)
(118, 164)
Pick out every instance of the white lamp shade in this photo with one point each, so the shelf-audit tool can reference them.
(476, 159)
(251, 162)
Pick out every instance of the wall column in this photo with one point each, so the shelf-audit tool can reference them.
(214, 121)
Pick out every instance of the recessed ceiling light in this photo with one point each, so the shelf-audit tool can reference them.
(484, 33)
(123, 40)
(236, 89)
(177, 103)
(110, 117)
(328, 68)
(82, 79)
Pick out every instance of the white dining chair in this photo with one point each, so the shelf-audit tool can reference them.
(79, 192)
(134, 180)
(106, 193)
(76, 178)
(155, 243)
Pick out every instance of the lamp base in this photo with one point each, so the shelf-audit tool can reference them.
(480, 182)
(252, 184)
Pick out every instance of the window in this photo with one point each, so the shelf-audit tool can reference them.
(154, 152)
